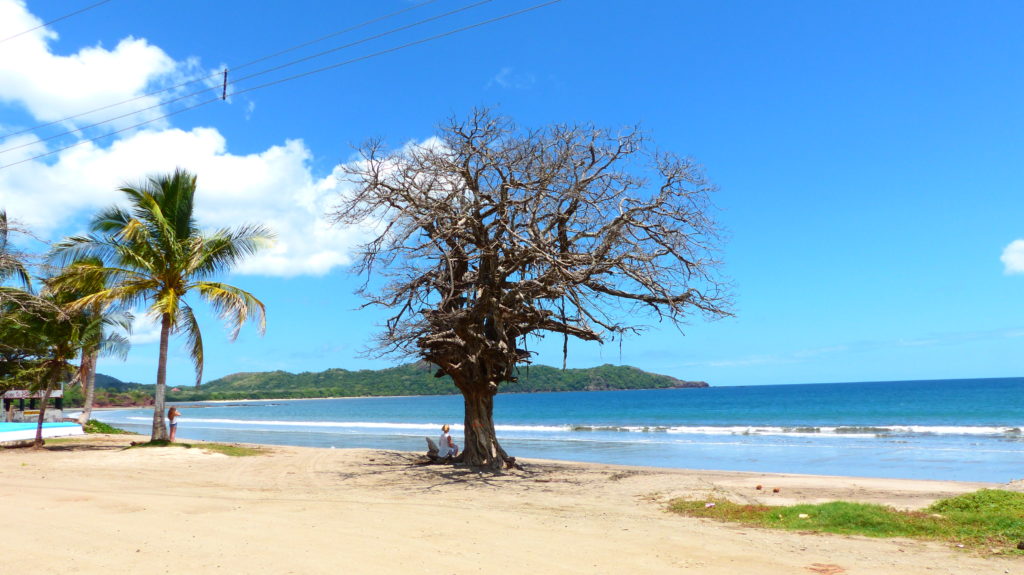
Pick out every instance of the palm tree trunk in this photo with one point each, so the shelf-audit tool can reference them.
(87, 374)
(38, 444)
(159, 425)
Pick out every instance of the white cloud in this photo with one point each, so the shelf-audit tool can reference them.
(1013, 257)
(274, 187)
(509, 78)
(52, 87)
(145, 328)
(59, 194)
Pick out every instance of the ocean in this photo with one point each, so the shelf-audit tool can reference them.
(965, 430)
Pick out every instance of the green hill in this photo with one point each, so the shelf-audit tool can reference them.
(415, 379)
(110, 392)
(108, 382)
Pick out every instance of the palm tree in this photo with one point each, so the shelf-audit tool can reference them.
(97, 338)
(18, 304)
(59, 337)
(97, 341)
(156, 255)
(44, 340)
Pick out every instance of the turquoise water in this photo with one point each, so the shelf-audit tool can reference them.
(968, 430)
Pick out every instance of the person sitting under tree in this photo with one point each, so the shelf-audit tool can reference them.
(446, 445)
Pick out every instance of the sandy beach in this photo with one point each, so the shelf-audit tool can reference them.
(90, 506)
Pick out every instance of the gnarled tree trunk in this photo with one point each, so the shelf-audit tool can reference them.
(481, 438)
(482, 449)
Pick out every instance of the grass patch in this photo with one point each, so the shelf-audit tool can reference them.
(224, 448)
(96, 426)
(990, 519)
(158, 443)
(232, 450)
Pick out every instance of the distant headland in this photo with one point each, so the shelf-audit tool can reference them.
(408, 379)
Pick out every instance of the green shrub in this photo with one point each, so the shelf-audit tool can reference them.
(988, 519)
(96, 426)
(983, 501)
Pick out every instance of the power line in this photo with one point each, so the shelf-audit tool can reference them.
(208, 77)
(76, 12)
(108, 120)
(244, 78)
(364, 40)
(114, 133)
(333, 34)
(401, 47)
(295, 77)
(101, 108)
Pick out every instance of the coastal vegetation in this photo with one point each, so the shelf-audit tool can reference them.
(97, 426)
(105, 332)
(491, 235)
(153, 254)
(110, 392)
(988, 520)
(42, 333)
(150, 255)
(410, 379)
(47, 337)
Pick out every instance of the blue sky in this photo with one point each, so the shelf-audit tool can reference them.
(869, 155)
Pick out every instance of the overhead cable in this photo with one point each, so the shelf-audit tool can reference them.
(210, 76)
(244, 78)
(332, 35)
(76, 12)
(290, 78)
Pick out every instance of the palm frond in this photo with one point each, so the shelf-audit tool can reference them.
(235, 306)
(111, 221)
(11, 263)
(82, 247)
(187, 323)
(223, 249)
(116, 345)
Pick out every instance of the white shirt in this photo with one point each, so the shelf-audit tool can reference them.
(443, 449)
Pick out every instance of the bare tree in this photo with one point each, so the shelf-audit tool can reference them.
(489, 234)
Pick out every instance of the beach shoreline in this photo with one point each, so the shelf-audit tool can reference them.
(939, 430)
(321, 510)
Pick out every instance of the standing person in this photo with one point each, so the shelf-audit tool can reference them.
(446, 445)
(172, 418)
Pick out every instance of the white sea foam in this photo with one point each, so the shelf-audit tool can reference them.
(429, 427)
(850, 431)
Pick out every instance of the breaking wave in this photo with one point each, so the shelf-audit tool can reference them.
(838, 430)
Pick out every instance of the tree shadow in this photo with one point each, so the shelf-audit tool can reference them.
(417, 473)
